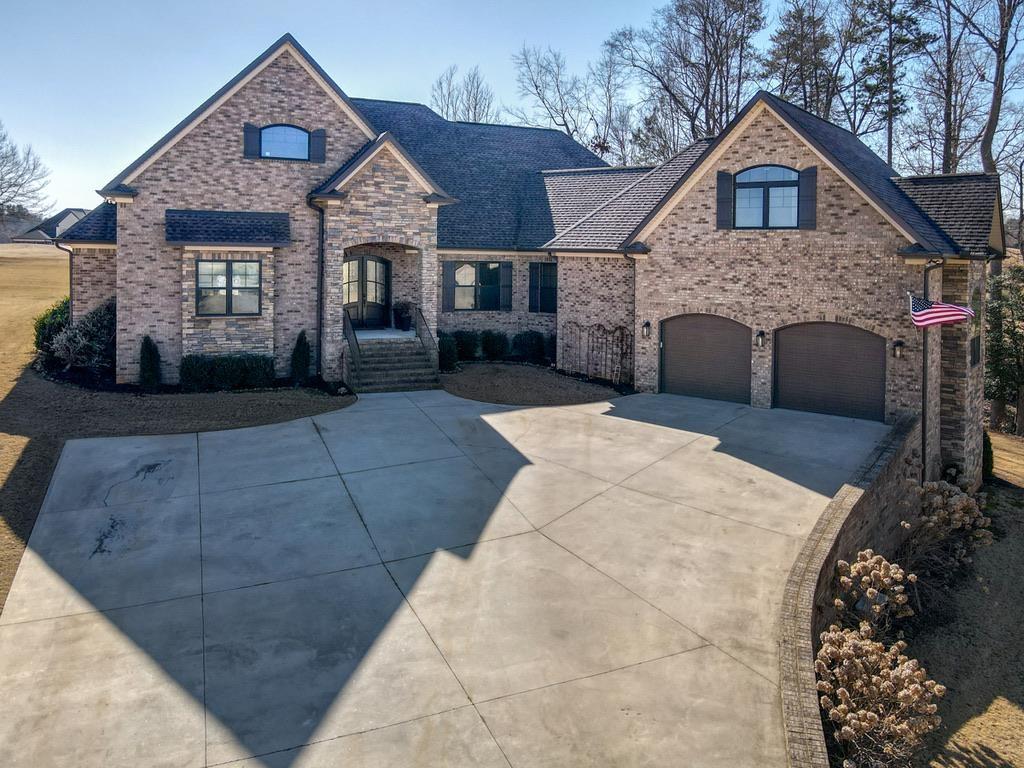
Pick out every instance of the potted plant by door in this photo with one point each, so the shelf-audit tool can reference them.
(402, 311)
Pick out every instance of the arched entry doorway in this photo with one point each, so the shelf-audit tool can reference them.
(366, 289)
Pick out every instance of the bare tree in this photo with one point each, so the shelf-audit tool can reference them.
(696, 59)
(23, 177)
(557, 97)
(997, 24)
(470, 99)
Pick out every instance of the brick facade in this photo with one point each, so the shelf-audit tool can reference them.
(224, 335)
(519, 318)
(206, 170)
(93, 278)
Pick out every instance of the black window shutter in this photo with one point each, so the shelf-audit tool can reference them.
(251, 140)
(534, 287)
(447, 286)
(724, 217)
(318, 146)
(506, 286)
(807, 215)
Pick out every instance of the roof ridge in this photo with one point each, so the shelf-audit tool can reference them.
(620, 193)
(605, 168)
(957, 175)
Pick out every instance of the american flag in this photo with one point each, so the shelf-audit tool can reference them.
(925, 313)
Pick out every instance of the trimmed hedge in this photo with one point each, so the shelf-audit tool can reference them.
(551, 348)
(447, 353)
(149, 364)
(987, 460)
(529, 345)
(51, 322)
(89, 344)
(301, 357)
(467, 344)
(494, 344)
(205, 373)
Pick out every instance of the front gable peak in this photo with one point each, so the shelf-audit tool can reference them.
(287, 45)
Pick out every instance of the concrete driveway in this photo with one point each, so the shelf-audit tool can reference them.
(419, 580)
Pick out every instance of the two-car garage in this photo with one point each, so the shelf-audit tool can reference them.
(823, 367)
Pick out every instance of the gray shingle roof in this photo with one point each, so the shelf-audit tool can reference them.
(492, 170)
(47, 228)
(873, 174)
(97, 226)
(609, 226)
(226, 228)
(962, 204)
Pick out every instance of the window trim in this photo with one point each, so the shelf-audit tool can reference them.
(309, 143)
(765, 187)
(541, 266)
(476, 285)
(229, 288)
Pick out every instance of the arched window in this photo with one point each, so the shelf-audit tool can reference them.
(767, 197)
(284, 141)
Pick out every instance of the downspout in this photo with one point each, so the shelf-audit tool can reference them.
(933, 264)
(71, 274)
(319, 287)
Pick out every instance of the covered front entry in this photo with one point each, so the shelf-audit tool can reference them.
(366, 289)
(830, 368)
(706, 356)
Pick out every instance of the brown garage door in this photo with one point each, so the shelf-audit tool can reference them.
(830, 368)
(706, 356)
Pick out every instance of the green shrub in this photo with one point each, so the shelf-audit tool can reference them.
(203, 373)
(467, 343)
(51, 322)
(987, 461)
(529, 345)
(300, 360)
(494, 344)
(149, 364)
(447, 353)
(551, 348)
(89, 343)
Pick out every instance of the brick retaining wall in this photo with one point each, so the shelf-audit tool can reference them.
(864, 514)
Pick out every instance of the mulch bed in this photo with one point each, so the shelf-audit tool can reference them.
(522, 384)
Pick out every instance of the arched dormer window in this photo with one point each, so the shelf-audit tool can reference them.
(767, 197)
(287, 142)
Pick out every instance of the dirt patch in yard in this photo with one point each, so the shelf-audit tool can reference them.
(37, 415)
(516, 384)
(979, 653)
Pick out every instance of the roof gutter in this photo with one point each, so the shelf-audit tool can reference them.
(71, 273)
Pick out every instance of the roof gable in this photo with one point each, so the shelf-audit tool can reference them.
(843, 152)
(286, 45)
(383, 143)
(97, 226)
(965, 205)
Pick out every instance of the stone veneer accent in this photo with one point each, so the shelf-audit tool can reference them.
(206, 170)
(963, 385)
(93, 278)
(847, 271)
(519, 318)
(865, 513)
(212, 335)
(383, 205)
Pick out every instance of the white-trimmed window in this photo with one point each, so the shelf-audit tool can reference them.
(227, 288)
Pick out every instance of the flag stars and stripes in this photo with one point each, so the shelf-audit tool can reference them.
(925, 313)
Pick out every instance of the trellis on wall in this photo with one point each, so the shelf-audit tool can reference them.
(598, 352)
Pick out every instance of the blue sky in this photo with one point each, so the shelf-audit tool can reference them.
(100, 82)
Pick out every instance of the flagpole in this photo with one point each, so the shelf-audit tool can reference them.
(933, 264)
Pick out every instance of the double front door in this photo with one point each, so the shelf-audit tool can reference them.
(366, 290)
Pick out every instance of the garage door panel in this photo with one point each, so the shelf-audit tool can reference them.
(706, 356)
(830, 368)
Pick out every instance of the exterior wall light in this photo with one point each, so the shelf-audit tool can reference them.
(759, 339)
(897, 349)
(645, 329)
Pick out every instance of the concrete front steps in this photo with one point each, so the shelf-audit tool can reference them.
(388, 365)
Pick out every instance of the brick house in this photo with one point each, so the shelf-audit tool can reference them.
(768, 265)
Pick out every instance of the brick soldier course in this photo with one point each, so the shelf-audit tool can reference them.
(634, 247)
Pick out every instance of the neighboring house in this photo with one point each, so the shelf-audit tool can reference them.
(768, 265)
(51, 228)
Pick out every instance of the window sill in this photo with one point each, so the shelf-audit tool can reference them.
(233, 314)
(284, 160)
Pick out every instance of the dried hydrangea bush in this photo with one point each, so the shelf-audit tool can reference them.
(951, 525)
(879, 702)
(873, 589)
